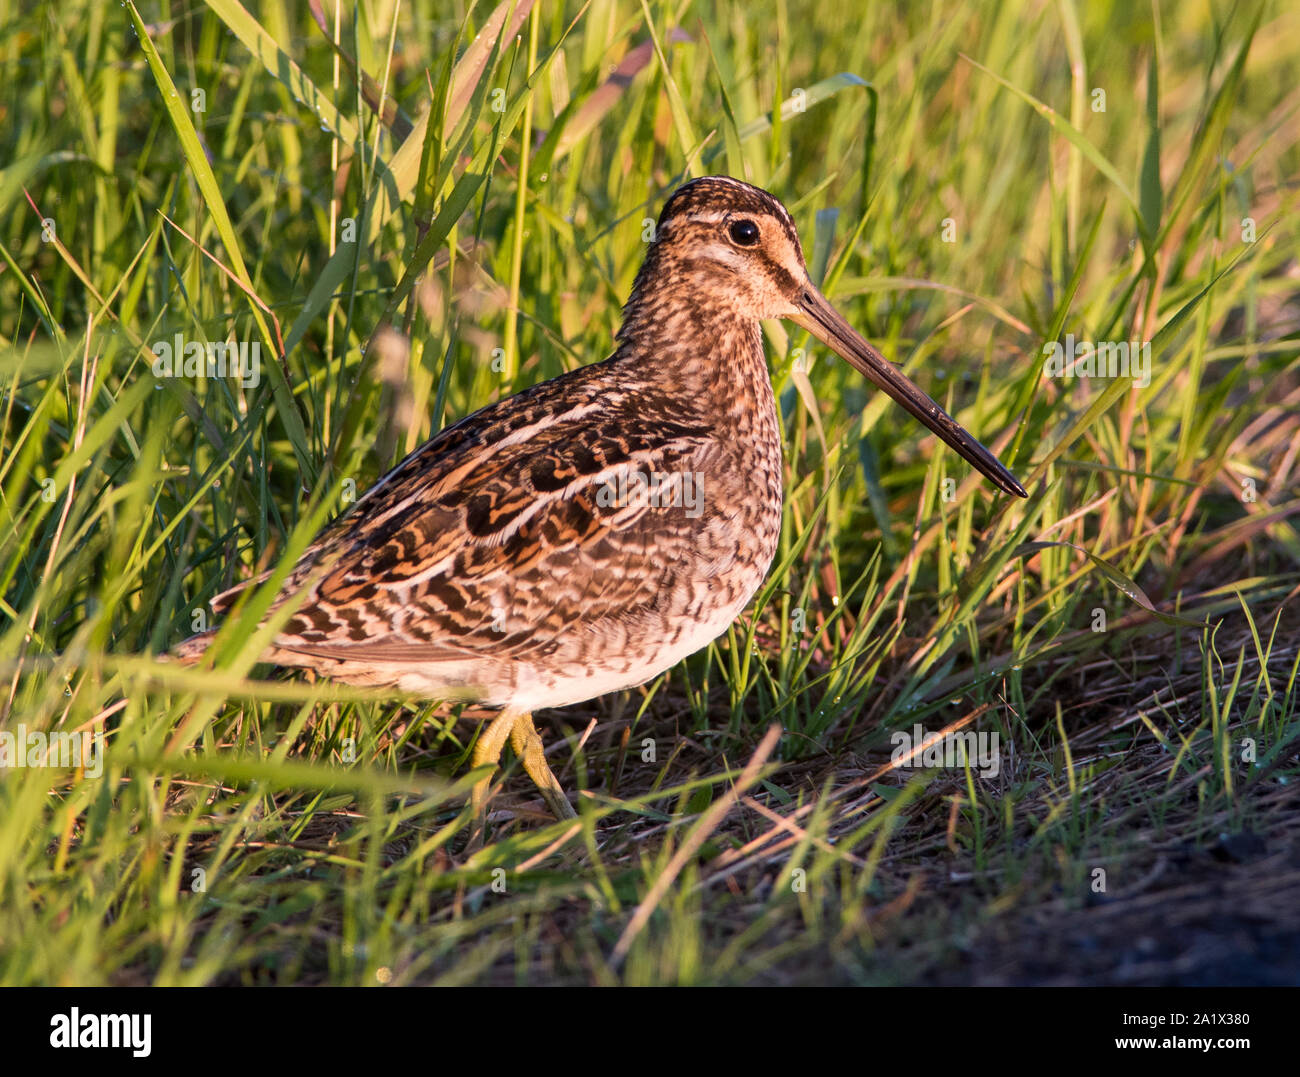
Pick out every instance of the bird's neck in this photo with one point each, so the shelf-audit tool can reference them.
(706, 353)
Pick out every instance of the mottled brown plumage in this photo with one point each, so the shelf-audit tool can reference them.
(510, 557)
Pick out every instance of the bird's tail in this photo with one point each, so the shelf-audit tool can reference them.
(189, 651)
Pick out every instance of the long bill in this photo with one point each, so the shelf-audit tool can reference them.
(816, 314)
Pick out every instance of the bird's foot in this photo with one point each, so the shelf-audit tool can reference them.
(527, 744)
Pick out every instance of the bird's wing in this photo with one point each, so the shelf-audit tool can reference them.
(488, 537)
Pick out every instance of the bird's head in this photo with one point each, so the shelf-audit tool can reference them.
(732, 249)
(735, 244)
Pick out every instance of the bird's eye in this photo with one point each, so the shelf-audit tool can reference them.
(743, 233)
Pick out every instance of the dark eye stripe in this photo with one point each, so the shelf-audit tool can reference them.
(781, 275)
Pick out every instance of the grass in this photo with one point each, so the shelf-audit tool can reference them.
(971, 183)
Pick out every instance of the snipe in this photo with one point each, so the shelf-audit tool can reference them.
(588, 533)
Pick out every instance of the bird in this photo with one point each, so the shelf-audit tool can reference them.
(588, 533)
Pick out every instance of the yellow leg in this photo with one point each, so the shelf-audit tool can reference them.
(528, 746)
(488, 750)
